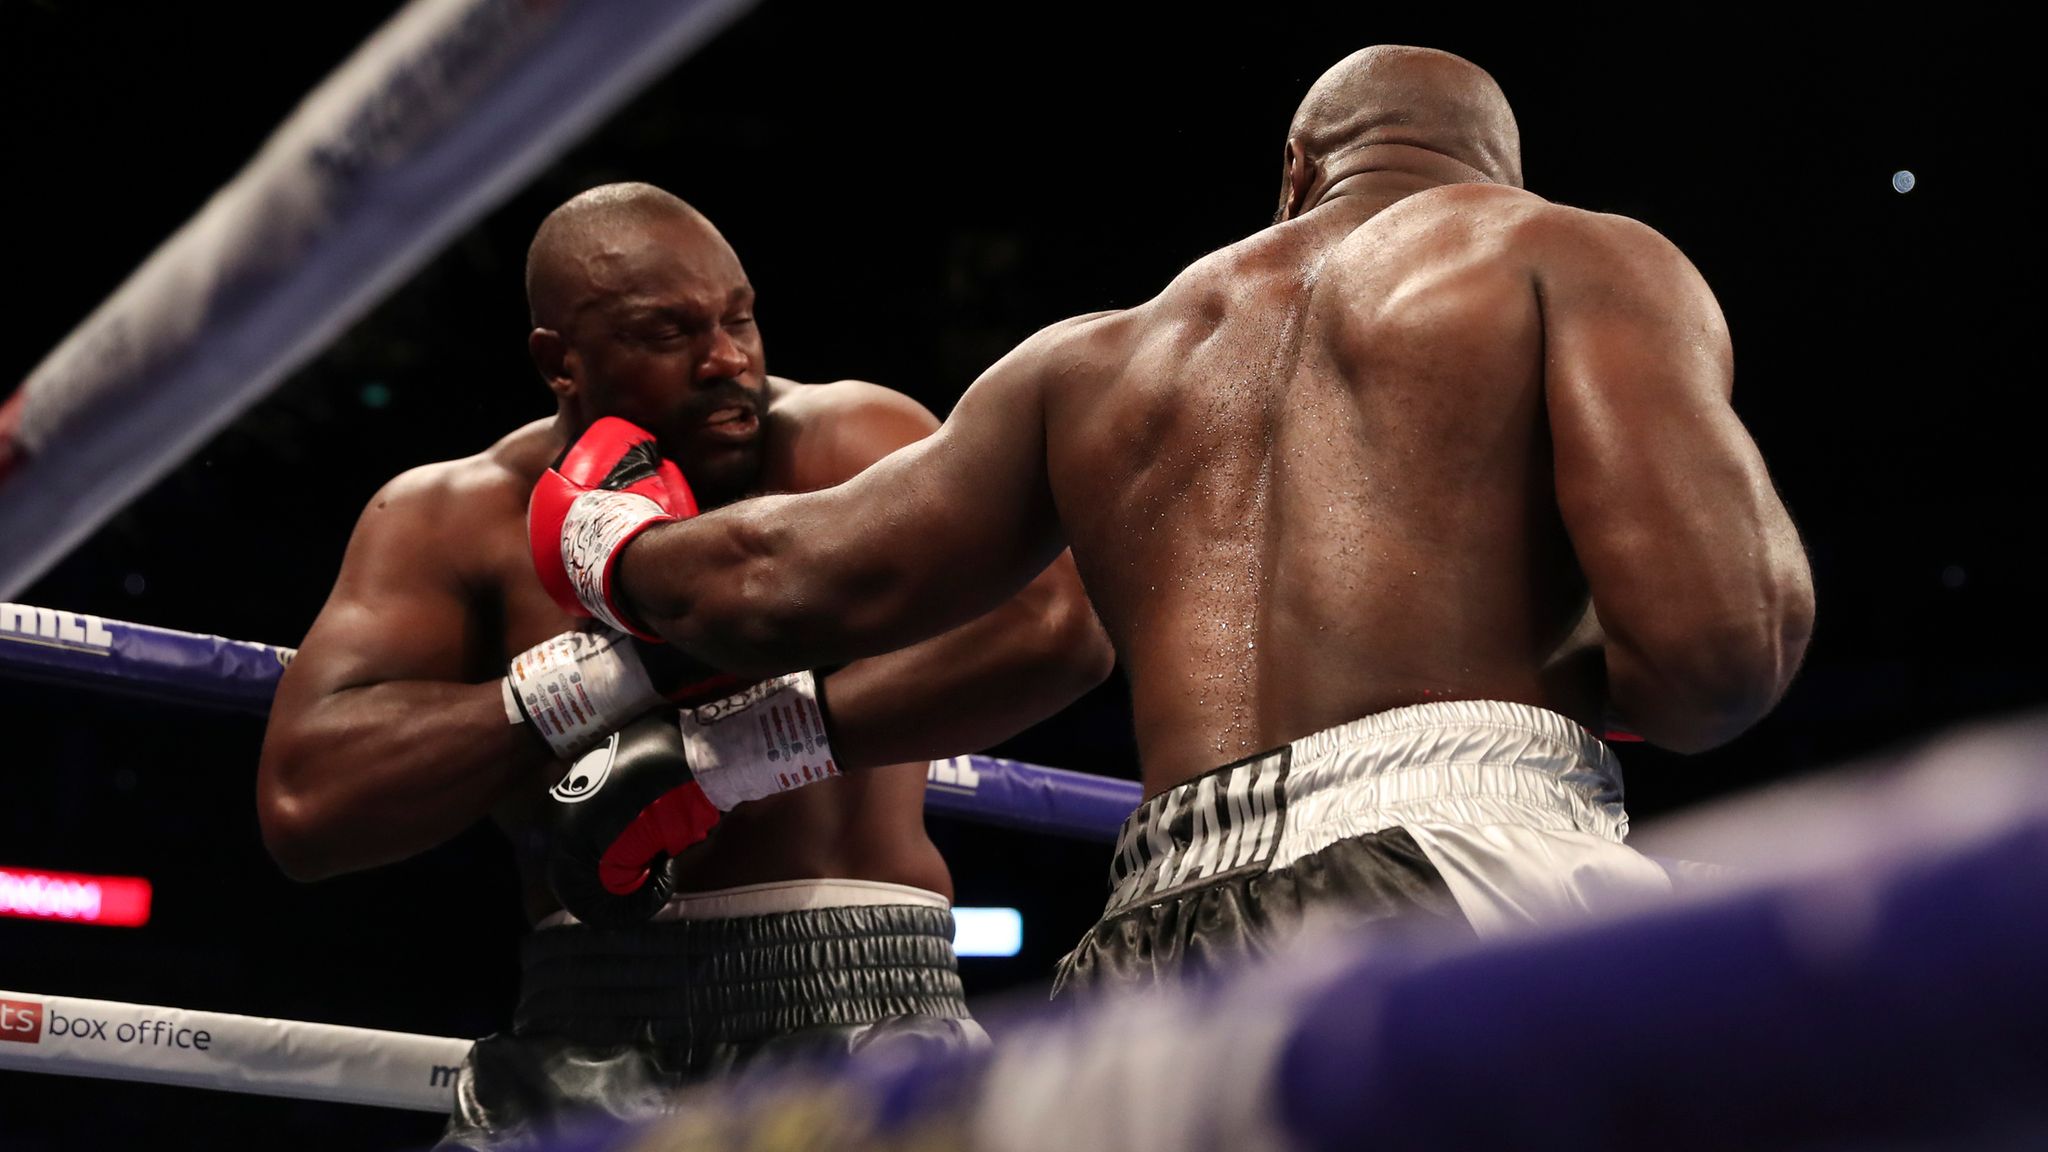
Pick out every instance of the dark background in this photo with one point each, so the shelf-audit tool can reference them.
(913, 194)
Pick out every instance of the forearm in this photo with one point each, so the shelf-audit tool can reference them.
(371, 775)
(975, 686)
(1694, 688)
(759, 588)
(1676, 712)
(730, 589)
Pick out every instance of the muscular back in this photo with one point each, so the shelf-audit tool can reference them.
(1393, 451)
(1332, 481)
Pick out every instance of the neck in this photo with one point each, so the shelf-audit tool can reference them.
(1380, 174)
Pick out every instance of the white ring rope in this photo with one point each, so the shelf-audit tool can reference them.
(157, 1045)
(437, 118)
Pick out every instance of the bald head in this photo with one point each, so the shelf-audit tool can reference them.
(642, 311)
(1421, 97)
(576, 253)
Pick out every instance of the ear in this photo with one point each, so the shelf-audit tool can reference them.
(556, 361)
(1297, 179)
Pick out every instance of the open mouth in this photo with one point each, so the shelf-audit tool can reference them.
(733, 422)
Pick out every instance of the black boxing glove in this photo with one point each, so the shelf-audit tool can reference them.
(623, 811)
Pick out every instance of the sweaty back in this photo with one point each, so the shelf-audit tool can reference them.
(1333, 476)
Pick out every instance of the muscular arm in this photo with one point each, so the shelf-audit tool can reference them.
(979, 683)
(926, 540)
(376, 748)
(1696, 571)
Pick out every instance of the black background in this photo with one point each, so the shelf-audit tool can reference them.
(912, 194)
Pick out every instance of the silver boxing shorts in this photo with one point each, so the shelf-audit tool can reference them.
(1488, 815)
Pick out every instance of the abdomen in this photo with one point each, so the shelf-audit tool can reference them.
(867, 825)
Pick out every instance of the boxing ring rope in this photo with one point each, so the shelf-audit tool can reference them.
(177, 1046)
(86, 651)
(435, 119)
(325, 1061)
(1879, 971)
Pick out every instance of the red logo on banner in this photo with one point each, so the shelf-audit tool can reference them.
(21, 1021)
(120, 901)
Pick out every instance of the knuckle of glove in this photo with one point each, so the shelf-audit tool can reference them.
(607, 486)
(612, 453)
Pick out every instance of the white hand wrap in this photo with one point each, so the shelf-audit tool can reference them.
(578, 688)
(766, 739)
(598, 524)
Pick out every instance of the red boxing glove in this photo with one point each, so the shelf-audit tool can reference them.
(608, 487)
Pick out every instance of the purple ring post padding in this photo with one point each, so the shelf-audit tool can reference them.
(86, 651)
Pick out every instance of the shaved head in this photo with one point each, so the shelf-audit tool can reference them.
(642, 311)
(564, 265)
(1420, 97)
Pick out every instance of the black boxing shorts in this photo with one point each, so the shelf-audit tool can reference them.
(1485, 815)
(612, 1021)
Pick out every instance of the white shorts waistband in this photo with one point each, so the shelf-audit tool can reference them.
(1465, 762)
(778, 896)
(1462, 762)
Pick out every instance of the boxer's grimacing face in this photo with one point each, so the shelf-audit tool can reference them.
(668, 341)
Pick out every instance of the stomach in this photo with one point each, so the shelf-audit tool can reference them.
(865, 826)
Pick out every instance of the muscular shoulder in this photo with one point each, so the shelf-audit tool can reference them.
(425, 510)
(1600, 262)
(1517, 233)
(1077, 354)
(839, 401)
(1557, 236)
(822, 434)
(1076, 336)
(499, 476)
(447, 489)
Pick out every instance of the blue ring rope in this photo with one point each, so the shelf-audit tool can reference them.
(84, 651)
